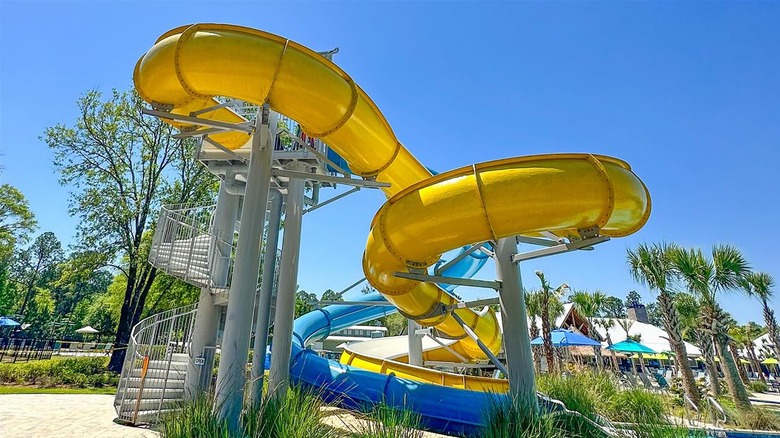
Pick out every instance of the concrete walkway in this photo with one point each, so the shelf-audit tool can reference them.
(63, 416)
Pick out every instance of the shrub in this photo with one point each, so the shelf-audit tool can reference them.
(78, 372)
(586, 393)
(758, 387)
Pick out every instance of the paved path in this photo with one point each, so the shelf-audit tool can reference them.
(63, 416)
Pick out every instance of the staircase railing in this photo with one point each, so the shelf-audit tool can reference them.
(185, 247)
(147, 386)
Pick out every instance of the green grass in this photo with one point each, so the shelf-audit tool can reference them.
(36, 390)
(387, 422)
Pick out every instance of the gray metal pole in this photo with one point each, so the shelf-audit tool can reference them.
(288, 282)
(517, 342)
(238, 323)
(265, 299)
(207, 317)
(415, 343)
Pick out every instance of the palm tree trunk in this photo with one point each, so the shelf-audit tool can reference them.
(771, 325)
(707, 350)
(740, 366)
(730, 372)
(537, 352)
(672, 327)
(754, 362)
(596, 350)
(615, 364)
(546, 336)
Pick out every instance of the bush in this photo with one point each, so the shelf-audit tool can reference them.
(586, 393)
(79, 372)
(757, 387)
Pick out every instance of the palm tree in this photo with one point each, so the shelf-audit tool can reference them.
(589, 305)
(651, 266)
(534, 309)
(551, 307)
(606, 324)
(759, 285)
(743, 336)
(707, 279)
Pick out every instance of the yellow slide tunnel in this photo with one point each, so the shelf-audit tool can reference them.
(425, 216)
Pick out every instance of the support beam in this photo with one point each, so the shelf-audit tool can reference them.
(351, 286)
(200, 362)
(265, 299)
(302, 174)
(479, 342)
(476, 303)
(238, 323)
(449, 280)
(333, 199)
(514, 318)
(243, 127)
(438, 270)
(583, 244)
(415, 343)
(288, 282)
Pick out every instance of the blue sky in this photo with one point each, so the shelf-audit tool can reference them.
(687, 92)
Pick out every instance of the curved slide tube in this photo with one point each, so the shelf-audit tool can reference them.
(425, 215)
(358, 389)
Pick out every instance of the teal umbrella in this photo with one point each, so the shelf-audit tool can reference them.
(631, 346)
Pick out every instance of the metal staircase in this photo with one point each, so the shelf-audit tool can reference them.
(152, 380)
(184, 247)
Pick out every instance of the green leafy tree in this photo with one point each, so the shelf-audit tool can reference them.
(759, 285)
(16, 218)
(78, 279)
(612, 307)
(330, 295)
(121, 165)
(652, 266)
(708, 278)
(35, 267)
(633, 298)
(744, 335)
(303, 302)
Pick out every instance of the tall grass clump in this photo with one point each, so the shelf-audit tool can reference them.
(637, 406)
(512, 418)
(194, 418)
(758, 418)
(586, 393)
(298, 415)
(388, 422)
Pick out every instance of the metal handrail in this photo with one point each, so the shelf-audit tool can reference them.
(185, 247)
(176, 326)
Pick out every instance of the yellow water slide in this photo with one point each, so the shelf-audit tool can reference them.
(425, 215)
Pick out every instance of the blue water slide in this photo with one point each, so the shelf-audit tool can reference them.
(357, 389)
(466, 267)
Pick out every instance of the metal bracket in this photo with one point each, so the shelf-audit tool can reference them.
(328, 178)
(476, 303)
(460, 257)
(559, 248)
(333, 199)
(243, 127)
(217, 145)
(448, 348)
(495, 285)
(481, 344)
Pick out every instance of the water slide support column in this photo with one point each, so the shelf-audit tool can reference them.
(208, 314)
(288, 281)
(265, 298)
(238, 323)
(517, 346)
(415, 344)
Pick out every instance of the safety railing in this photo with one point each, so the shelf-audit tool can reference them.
(155, 368)
(185, 247)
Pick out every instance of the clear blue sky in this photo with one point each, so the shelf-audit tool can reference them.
(688, 93)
